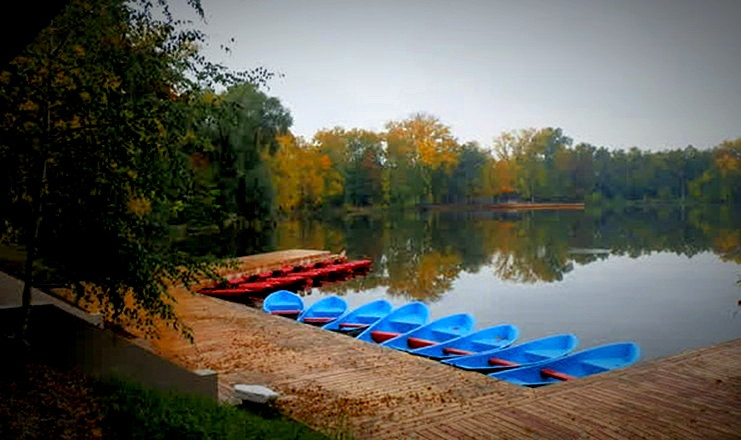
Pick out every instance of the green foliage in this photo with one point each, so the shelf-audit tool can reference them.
(97, 119)
(242, 129)
(357, 157)
(468, 179)
(134, 412)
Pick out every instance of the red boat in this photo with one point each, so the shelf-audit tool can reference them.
(359, 264)
(288, 277)
(287, 281)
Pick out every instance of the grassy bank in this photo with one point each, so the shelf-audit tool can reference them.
(41, 402)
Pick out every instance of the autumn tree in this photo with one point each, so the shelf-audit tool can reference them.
(332, 144)
(421, 155)
(96, 116)
(298, 171)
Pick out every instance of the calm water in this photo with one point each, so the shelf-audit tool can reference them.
(666, 279)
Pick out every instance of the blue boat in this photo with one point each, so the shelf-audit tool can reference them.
(283, 303)
(527, 353)
(584, 363)
(404, 319)
(499, 336)
(435, 332)
(324, 311)
(360, 318)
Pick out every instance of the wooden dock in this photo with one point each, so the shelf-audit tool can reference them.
(336, 383)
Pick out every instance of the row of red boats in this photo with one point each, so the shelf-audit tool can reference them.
(297, 277)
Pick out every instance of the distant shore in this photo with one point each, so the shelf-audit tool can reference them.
(510, 206)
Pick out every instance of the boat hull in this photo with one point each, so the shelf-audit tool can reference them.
(402, 320)
(527, 353)
(324, 311)
(356, 321)
(440, 330)
(283, 303)
(499, 336)
(582, 364)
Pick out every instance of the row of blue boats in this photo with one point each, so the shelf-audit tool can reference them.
(453, 340)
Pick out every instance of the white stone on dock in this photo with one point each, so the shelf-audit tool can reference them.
(254, 393)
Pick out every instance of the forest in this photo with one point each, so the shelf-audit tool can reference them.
(115, 130)
(418, 160)
(252, 167)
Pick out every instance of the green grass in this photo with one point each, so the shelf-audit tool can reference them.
(43, 402)
(133, 412)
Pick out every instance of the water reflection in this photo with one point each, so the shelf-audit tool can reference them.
(420, 255)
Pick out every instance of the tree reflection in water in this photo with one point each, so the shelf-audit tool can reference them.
(419, 255)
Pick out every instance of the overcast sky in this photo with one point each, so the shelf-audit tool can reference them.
(653, 74)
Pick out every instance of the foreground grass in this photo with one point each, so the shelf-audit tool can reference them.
(131, 411)
(39, 402)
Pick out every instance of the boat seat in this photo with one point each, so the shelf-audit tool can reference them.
(318, 320)
(381, 336)
(419, 342)
(456, 351)
(502, 362)
(352, 325)
(547, 372)
(285, 312)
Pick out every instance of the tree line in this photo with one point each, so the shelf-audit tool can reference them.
(418, 161)
(258, 169)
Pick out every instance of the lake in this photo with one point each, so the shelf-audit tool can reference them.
(665, 278)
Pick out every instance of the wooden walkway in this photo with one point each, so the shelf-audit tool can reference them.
(333, 382)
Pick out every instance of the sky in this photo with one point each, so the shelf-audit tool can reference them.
(651, 74)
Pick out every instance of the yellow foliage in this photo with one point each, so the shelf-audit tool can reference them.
(727, 163)
(728, 157)
(505, 176)
(140, 206)
(210, 98)
(112, 82)
(727, 244)
(424, 138)
(28, 106)
(298, 173)
(325, 163)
